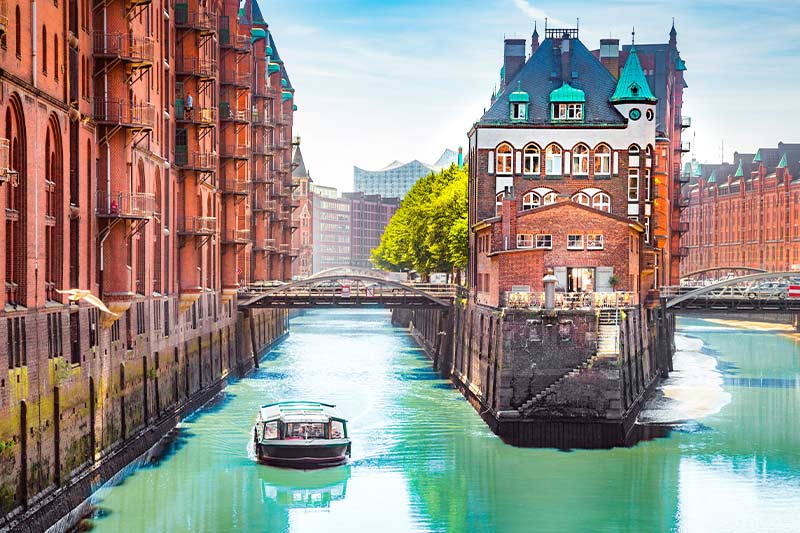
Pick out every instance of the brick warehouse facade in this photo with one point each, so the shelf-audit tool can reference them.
(745, 213)
(146, 160)
(302, 222)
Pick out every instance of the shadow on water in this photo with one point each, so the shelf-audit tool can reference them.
(171, 444)
(275, 376)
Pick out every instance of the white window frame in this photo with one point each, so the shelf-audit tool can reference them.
(568, 111)
(633, 184)
(550, 198)
(575, 244)
(524, 240)
(594, 241)
(648, 185)
(580, 160)
(544, 241)
(504, 164)
(531, 200)
(602, 202)
(602, 160)
(582, 198)
(554, 161)
(498, 205)
(533, 162)
(519, 111)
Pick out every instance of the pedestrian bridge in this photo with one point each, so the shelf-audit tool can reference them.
(347, 289)
(763, 292)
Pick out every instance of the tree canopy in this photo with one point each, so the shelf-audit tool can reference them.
(429, 231)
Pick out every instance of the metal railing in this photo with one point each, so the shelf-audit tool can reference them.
(194, 66)
(126, 204)
(124, 46)
(228, 112)
(683, 251)
(235, 151)
(124, 113)
(196, 160)
(259, 204)
(237, 236)
(199, 115)
(570, 300)
(264, 245)
(197, 225)
(239, 79)
(261, 119)
(230, 185)
(203, 21)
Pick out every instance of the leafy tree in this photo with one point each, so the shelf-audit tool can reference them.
(429, 232)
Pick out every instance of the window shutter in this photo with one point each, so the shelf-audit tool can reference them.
(519, 161)
(491, 162)
(567, 162)
(561, 275)
(615, 164)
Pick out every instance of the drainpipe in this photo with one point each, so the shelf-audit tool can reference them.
(33, 46)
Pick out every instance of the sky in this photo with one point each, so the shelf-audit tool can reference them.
(384, 80)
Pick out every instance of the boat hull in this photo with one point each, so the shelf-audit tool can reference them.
(303, 453)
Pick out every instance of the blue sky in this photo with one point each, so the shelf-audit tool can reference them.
(379, 80)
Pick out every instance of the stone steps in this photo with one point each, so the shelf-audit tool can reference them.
(552, 387)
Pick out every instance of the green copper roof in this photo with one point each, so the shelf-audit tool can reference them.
(284, 83)
(712, 178)
(567, 93)
(519, 95)
(286, 95)
(257, 33)
(680, 64)
(784, 163)
(757, 158)
(632, 85)
(269, 50)
(739, 171)
(273, 67)
(294, 107)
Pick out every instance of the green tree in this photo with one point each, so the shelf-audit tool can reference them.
(429, 232)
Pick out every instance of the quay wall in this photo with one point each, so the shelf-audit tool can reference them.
(536, 377)
(73, 416)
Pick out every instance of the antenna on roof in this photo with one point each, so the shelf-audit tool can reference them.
(545, 25)
(694, 145)
(577, 23)
(633, 36)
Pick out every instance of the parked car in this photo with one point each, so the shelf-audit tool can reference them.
(769, 289)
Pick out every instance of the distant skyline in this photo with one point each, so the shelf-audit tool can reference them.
(384, 80)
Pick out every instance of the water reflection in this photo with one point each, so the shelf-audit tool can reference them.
(303, 489)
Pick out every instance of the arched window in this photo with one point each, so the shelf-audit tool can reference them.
(18, 33)
(580, 160)
(53, 185)
(44, 50)
(582, 198)
(553, 156)
(602, 201)
(602, 160)
(498, 206)
(633, 150)
(531, 166)
(531, 200)
(549, 198)
(504, 159)
(15, 212)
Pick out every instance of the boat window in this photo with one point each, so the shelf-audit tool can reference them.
(271, 430)
(337, 430)
(304, 430)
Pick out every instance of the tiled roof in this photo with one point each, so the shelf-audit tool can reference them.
(541, 75)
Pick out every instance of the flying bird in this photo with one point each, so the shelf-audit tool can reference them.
(87, 296)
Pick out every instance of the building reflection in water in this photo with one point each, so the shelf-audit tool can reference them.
(302, 489)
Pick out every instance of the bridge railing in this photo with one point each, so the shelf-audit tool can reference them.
(570, 300)
(357, 289)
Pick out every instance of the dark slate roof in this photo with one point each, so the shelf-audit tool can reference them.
(257, 17)
(770, 157)
(535, 79)
(299, 165)
(792, 153)
(747, 164)
(275, 55)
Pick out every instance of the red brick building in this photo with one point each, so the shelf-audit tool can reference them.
(745, 213)
(562, 175)
(302, 218)
(145, 158)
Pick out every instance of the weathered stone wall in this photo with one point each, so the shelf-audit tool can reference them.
(433, 330)
(63, 419)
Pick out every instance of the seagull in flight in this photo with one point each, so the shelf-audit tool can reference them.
(76, 295)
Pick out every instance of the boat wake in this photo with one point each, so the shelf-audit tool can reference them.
(693, 390)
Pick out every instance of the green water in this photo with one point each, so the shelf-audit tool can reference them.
(424, 461)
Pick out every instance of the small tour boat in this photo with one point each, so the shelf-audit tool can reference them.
(301, 434)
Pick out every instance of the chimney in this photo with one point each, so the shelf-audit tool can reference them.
(565, 52)
(513, 59)
(609, 55)
(508, 212)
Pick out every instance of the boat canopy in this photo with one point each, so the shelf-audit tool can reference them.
(299, 411)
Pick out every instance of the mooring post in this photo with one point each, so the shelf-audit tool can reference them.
(549, 281)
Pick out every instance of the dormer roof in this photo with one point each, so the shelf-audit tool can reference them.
(632, 85)
(568, 94)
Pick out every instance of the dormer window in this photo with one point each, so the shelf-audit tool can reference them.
(566, 103)
(567, 111)
(518, 102)
(519, 111)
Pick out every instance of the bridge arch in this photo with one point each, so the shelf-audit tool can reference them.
(715, 273)
(735, 288)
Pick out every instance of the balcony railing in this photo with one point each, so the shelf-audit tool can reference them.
(683, 179)
(126, 205)
(682, 202)
(264, 245)
(569, 300)
(263, 179)
(194, 66)
(683, 251)
(137, 50)
(260, 204)
(196, 160)
(261, 119)
(201, 116)
(284, 119)
(205, 23)
(284, 248)
(680, 227)
(237, 79)
(124, 113)
(228, 113)
(260, 148)
(684, 147)
(230, 185)
(686, 122)
(197, 225)
(266, 92)
(236, 236)
(235, 151)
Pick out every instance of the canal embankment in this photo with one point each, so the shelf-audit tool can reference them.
(82, 425)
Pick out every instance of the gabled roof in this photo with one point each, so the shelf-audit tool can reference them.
(257, 17)
(633, 86)
(300, 165)
(570, 203)
(542, 74)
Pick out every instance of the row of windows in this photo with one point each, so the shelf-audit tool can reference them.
(540, 197)
(599, 159)
(593, 241)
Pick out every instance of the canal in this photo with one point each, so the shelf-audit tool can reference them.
(424, 461)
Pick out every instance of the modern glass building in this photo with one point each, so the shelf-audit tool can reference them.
(396, 179)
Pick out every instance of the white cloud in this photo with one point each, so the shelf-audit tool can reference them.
(534, 12)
